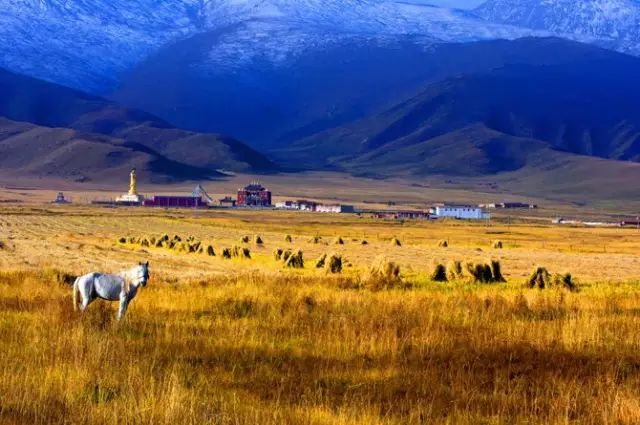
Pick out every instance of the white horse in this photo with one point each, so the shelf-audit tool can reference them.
(121, 287)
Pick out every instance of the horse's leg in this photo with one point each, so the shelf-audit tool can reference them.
(86, 300)
(124, 303)
(86, 294)
(76, 291)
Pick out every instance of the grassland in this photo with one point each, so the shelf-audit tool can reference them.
(249, 342)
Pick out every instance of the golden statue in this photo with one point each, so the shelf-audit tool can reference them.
(133, 190)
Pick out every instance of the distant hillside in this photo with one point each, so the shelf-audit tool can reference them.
(491, 122)
(29, 150)
(271, 106)
(172, 152)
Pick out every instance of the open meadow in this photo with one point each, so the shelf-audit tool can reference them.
(254, 341)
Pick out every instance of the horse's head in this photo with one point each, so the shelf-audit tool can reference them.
(143, 273)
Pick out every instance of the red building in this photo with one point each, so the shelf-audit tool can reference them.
(175, 202)
(254, 195)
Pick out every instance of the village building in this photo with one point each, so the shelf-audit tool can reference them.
(509, 205)
(336, 209)
(60, 199)
(402, 215)
(299, 205)
(199, 192)
(175, 202)
(197, 199)
(462, 212)
(254, 195)
(227, 202)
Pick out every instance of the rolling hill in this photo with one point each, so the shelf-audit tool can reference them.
(490, 122)
(27, 150)
(57, 120)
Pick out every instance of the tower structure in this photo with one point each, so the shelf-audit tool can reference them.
(132, 197)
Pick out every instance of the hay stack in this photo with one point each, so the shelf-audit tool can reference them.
(145, 242)
(496, 271)
(277, 254)
(245, 239)
(152, 240)
(164, 238)
(159, 243)
(497, 244)
(315, 240)
(383, 274)
(454, 270)
(364, 242)
(257, 240)
(288, 239)
(335, 264)
(396, 242)
(540, 277)
(443, 243)
(321, 261)
(295, 260)
(483, 272)
(565, 281)
(285, 255)
(439, 273)
(210, 251)
(226, 253)
(122, 240)
(338, 241)
(240, 252)
(177, 238)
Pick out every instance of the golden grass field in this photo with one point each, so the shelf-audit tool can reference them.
(221, 341)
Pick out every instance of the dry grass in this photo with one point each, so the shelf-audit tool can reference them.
(290, 350)
(250, 342)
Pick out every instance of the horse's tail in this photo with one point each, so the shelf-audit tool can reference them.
(76, 291)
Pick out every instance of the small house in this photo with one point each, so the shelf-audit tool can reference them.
(461, 212)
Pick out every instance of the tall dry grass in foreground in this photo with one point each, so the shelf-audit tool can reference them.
(261, 349)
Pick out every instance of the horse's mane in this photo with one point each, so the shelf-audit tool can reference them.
(127, 277)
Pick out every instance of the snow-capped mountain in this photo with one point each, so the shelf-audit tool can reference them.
(85, 43)
(88, 43)
(610, 23)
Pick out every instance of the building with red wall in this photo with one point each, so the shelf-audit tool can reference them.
(176, 202)
(254, 195)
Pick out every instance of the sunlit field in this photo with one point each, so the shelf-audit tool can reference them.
(250, 341)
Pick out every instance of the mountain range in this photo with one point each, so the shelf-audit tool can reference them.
(48, 130)
(495, 120)
(373, 87)
(90, 44)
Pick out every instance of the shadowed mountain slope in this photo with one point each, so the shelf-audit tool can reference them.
(587, 107)
(44, 104)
